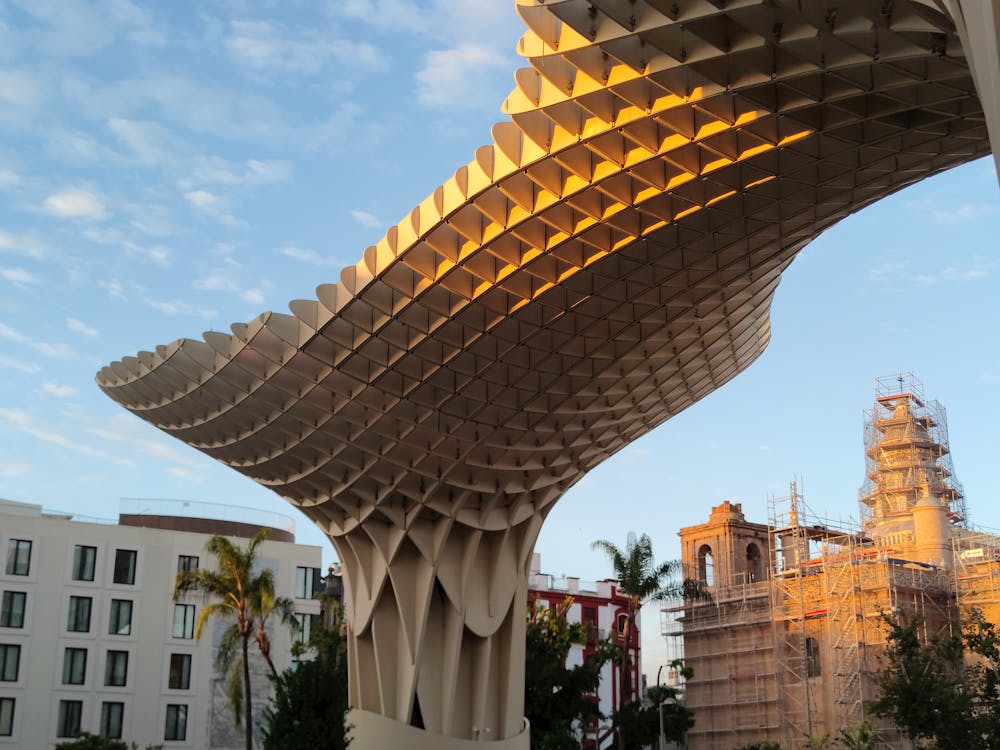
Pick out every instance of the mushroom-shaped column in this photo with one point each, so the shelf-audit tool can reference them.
(609, 259)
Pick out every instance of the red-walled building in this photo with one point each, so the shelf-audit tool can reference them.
(600, 606)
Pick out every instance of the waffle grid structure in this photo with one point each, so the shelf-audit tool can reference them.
(605, 262)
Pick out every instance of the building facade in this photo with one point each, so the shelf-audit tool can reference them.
(602, 609)
(91, 639)
(789, 646)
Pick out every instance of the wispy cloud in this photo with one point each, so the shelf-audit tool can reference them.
(23, 422)
(9, 179)
(17, 276)
(56, 351)
(157, 254)
(256, 296)
(453, 77)
(179, 307)
(29, 244)
(215, 282)
(21, 97)
(11, 363)
(212, 205)
(59, 391)
(188, 475)
(364, 218)
(268, 47)
(75, 204)
(148, 143)
(78, 326)
(305, 256)
(113, 287)
(964, 213)
(899, 273)
(213, 170)
(125, 429)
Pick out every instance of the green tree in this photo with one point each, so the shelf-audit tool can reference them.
(859, 736)
(641, 580)
(234, 592)
(310, 699)
(557, 697)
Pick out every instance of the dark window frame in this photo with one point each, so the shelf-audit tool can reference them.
(74, 662)
(8, 611)
(7, 672)
(70, 716)
(125, 573)
(73, 616)
(116, 669)
(185, 564)
(84, 562)
(117, 624)
(175, 729)
(308, 581)
(179, 671)
(112, 719)
(16, 549)
(7, 716)
(187, 624)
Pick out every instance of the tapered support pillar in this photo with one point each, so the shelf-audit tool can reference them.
(436, 612)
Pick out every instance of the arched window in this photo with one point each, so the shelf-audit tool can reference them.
(753, 563)
(706, 567)
(813, 668)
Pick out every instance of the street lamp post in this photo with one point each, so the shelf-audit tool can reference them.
(662, 742)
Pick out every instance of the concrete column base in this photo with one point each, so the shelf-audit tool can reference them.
(371, 731)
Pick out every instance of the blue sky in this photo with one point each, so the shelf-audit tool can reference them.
(167, 169)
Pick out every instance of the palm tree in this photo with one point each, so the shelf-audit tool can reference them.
(246, 598)
(641, 580)
(264, 604)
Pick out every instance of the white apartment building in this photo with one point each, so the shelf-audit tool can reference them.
(91, 639)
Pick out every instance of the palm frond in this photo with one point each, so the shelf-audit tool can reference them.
(228, 649)
(207, 611)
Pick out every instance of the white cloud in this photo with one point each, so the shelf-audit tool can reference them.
(215, 282)
(365, 219)
(59, 391)
(113, 287)
(305, 256)
(61, 351)
(149, 143)
(78, 326)
(157, 254)
(20, 420)
(179, 307)
(20, 97)
(29, 244)
(188, 475)
(256, 296)
(267, 47)
(11, 363)
(75, 204)
(454, 76)
(17, 276)
(215, 206)
(213, 170)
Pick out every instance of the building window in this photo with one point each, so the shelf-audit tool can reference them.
(307, 582)
(187, 563)
(180, 672)
(120, 622)
(304, 629)
(79, 614)
(813, 668)
(125, 566)
(10, 661)
(183, 621)
(116, 669)
(111, 719)
(706, 565)
(84, 559)
(12, 609)
(753, 563)
(18, 557)
(6, 717)
(177, 717)
(69, 718)
(74, 667)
